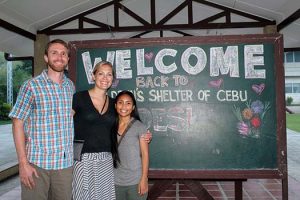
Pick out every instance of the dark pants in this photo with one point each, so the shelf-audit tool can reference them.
(129, 193)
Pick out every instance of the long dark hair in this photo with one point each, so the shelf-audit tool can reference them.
(134, 114)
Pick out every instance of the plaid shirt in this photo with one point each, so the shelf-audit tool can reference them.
(46, 107)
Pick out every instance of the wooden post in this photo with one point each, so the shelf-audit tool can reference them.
(270, 29)
(39, 49)
(238, 190)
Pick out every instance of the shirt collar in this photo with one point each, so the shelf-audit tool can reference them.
(48, 79)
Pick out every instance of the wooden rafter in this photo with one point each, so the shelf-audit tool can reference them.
(292, 49)
(231, 10)
(293, 17)
(154, 25)
(173, 13)
(8, 26)
(76, 17)
(132, 14)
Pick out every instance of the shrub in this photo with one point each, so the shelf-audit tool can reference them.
(289, 101)
(4, 110)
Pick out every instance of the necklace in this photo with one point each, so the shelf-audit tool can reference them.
(104, 104)
(131, 121)
(123, 126)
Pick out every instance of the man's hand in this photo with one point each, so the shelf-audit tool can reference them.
(147, 136)
(26, 173)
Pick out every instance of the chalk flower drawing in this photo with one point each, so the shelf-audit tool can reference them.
(251, 118)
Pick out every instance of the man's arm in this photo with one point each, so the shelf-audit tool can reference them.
(26, 171)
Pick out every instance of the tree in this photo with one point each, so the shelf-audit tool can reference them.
(22, 71)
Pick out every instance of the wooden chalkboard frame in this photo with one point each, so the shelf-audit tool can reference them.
(276, 39)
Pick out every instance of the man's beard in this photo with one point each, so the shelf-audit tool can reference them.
(56, 69)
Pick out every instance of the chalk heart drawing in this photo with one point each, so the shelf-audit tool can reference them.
(216, 83)
(149, 56)
(258, 89)
(115, 83)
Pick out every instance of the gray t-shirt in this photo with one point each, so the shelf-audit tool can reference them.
(129, 170)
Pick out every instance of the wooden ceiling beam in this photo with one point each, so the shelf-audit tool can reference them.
(231, 10)
(293, 17)
(173, 13)
(182, 33)
(153, 25)
(212, 18)
(158, 28)
(10, 27)
(76, 17)
(132, 14)
(152, 12)
(291, 49)
(175, 31)
(140, 34)
(96, 23)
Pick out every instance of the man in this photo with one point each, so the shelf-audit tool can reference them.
(43, 129)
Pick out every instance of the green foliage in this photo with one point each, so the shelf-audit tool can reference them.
(4, 111)
(292, 122)
(5, 122)
(289, 101)
(22, 71)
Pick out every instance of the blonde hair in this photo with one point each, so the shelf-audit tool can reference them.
(100, 64)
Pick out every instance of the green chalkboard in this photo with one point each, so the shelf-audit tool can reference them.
(213, 104)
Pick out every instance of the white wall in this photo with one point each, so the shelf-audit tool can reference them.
(292, 75)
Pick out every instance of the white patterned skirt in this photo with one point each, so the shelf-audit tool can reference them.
(93, 177)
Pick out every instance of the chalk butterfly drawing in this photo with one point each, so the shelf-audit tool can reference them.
(250, 118)
(258, 89)
(149, 56)
(216, 83)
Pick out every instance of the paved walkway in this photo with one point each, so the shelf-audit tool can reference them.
(293, 149)
(252, 189)
(7, 146)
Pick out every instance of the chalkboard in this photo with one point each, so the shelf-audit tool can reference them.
(214, 104)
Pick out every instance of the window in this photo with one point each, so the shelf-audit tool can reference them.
(292, 88)
(288, 88)
(289, 57)
(292, 56)
(297, 56)
(296, 87)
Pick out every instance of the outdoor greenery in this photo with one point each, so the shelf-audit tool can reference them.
(293, 122)
(4, 110)
(22, 71)
(5, 122)
(289, 101)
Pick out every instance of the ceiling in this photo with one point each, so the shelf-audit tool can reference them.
(34, 15)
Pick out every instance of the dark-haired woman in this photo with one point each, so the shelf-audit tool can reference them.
(131, 174)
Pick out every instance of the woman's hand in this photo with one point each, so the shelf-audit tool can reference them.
(143, 186)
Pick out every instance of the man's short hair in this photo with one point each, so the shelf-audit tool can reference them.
(59, 41)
